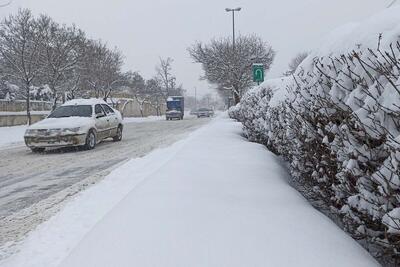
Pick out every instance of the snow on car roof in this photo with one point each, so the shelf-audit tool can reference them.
(91, 101)
(174, 98)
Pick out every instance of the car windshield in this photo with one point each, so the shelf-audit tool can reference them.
(203, 109)
(72, 111)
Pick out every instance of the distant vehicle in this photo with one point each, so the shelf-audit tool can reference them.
(193, 112)
(204, 112)
(175, 108)
(80, 122)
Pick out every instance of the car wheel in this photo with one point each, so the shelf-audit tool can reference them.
(37, 149)
(118, 137)
(90, 140)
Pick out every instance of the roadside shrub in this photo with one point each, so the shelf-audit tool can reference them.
(339, 127)
(234, 112)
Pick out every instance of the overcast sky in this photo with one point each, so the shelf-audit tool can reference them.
(146, 30)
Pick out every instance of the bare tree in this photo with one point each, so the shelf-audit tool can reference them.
(20, 51)
(112, 76)
(164, 75)
(137, 87)
(295, 62)
(61, 51)
(135, 82)
(156, 95)
(230, 68)
(102, 68)
(42, 59)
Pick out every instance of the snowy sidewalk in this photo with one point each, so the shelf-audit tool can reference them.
(213, 199)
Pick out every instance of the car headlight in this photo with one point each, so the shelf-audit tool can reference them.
(31, 132)
(54, 131)
(71, 130)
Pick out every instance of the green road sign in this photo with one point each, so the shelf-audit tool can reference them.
(258, 73)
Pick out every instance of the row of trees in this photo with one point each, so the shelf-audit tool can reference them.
(38, 54)
(156, 89)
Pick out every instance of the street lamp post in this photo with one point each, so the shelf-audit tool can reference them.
(233, 10)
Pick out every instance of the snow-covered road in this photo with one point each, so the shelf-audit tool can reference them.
(34, 186)
(213, 199)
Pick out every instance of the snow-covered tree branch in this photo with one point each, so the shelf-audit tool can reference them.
(231, 69)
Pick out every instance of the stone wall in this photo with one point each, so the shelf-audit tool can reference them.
(19, 119)
(131, 108)
(20, 105)
(12, 112)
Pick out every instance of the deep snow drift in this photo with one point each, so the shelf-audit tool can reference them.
(213, 199)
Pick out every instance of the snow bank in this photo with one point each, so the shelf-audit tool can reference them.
(189, 205)
(278, 87)
(12, 135)
(144, 119)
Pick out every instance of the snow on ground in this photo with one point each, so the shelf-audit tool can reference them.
(11, 135)
(32, 194)
(144, 119)
(213, 199)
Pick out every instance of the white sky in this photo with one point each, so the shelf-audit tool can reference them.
(146, 30)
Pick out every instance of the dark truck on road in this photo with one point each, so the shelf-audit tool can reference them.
(175, 108)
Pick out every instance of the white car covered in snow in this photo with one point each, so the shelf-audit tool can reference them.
(80, 122)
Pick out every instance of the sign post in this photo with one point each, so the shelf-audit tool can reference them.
(258, 73)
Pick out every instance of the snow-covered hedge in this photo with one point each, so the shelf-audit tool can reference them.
(234, 112)
(337, 121)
